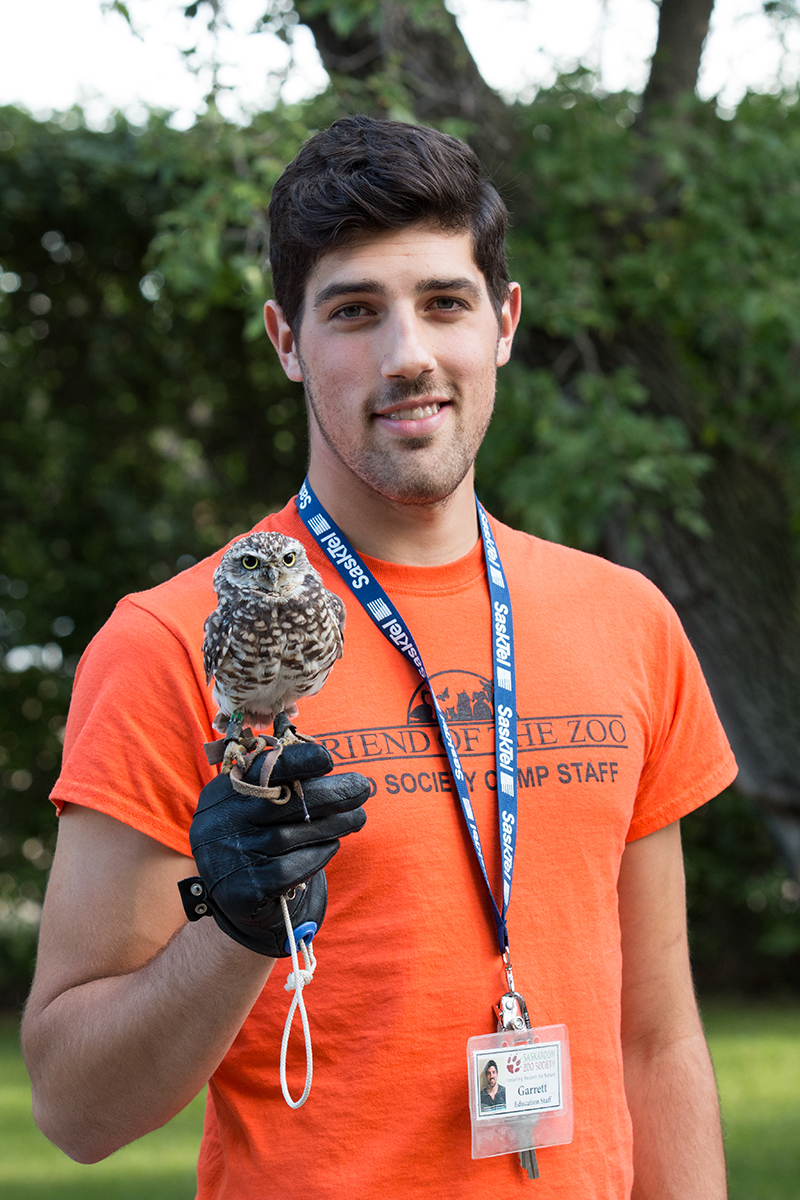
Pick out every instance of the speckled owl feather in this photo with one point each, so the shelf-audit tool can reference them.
(275, 634)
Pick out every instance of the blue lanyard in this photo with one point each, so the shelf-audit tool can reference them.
(383, 612)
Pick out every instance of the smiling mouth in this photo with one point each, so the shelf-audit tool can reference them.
(414, 414)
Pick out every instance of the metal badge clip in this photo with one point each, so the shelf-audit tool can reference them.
(512, 1012)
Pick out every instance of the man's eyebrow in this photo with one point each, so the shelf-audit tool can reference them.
(362, 287)
(371, 287)
(461, 284)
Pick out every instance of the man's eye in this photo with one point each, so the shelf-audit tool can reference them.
(350, 311)
(448, 304)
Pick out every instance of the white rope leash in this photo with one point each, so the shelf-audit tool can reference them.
(296, 981)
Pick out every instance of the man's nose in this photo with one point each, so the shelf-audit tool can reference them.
(406, 354)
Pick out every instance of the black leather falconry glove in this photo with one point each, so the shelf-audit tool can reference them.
(250, 851)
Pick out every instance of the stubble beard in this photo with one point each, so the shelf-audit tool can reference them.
(406, 476)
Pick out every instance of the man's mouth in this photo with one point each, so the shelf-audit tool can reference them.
(414, 414)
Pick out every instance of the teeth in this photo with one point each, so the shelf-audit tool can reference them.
(415, 414)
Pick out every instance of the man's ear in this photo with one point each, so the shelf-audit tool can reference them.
(509, 320)
(283, 340)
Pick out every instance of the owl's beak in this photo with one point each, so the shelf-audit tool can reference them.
(272, 575)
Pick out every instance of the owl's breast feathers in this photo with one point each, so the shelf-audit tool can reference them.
(265, 649)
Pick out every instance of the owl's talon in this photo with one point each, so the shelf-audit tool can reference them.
(280, 725)
(234, 756)
(285, 732)
(240, 752)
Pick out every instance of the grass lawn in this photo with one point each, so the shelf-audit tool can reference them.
(756, 1054)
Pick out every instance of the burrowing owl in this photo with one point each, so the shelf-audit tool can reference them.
(276, 633)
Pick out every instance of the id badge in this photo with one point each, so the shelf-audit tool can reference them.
(520, 1090)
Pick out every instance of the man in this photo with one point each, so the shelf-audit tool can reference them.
(494, 1094)
(393, 308)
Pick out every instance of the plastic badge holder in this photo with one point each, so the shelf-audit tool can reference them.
(532, 1066)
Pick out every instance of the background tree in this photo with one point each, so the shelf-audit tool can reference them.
(699, 358)
(651, 412)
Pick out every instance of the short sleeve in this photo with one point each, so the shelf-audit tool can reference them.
(139, 716)
(689, 760)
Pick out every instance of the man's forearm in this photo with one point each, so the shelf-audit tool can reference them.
(116, 1057)
(677, 1140)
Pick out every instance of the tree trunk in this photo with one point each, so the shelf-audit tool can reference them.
(738, 596)
(682, 30)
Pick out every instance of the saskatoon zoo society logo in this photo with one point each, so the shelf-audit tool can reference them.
(462, 696)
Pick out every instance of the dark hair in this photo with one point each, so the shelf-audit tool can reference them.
(491, 1063)
(364, 176)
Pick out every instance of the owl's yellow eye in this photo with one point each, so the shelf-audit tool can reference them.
(289, 559)
(250, 562)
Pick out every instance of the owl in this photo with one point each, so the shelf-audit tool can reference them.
(276, 633)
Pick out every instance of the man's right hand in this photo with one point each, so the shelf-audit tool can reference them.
(250, 851)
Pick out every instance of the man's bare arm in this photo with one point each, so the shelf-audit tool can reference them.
(131, 1009)
(669, 1080)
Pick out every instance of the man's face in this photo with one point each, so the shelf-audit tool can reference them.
(491, 1076)
(397, 349)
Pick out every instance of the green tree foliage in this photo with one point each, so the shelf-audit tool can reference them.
(146, 421)
(142, 422)
(744, 933)
(714, 268)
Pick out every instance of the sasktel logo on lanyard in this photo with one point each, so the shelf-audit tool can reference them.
(520, 1087)
(384, 614)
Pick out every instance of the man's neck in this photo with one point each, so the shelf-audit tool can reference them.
(420, 535)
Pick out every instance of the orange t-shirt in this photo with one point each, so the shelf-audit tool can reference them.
(617, 738)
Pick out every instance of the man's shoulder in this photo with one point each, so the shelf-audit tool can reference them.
(574, 573)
